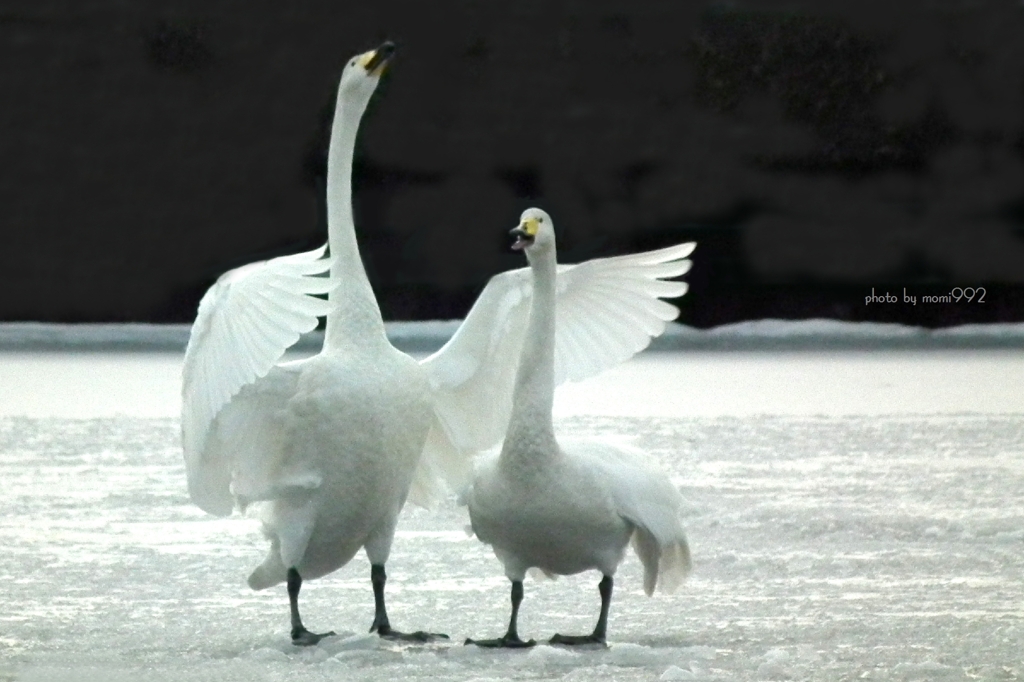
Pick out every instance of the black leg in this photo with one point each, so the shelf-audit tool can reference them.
(598, 635)
(381, 624)
(511, 639)
(300, 635)
(380, 613)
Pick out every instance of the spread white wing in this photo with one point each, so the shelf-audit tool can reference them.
(608, 309)
(246, 322)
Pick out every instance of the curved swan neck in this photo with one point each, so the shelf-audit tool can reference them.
(534, 392)
(355, 319)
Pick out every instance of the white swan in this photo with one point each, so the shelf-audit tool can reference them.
(315, 440)
(331, 447)
(569, 509)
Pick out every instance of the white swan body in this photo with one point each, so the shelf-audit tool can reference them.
(331, 447)
(582, 509)
(337, 434)
(327, 445)
(576, 506)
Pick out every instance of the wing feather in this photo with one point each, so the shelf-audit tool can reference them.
(245, 323)
(627, 297)
(626, 335)
(589, 334)
(608, 309)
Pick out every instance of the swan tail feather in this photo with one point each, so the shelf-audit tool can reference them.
(675, 566)
(646, 497)
(666, 563)
(646, 547)
(271, 572)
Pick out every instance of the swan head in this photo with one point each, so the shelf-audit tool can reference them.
(535, 232)
(362, 73)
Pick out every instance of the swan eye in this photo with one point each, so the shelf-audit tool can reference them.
(540, 220)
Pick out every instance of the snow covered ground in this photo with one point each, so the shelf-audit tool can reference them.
(852, 515)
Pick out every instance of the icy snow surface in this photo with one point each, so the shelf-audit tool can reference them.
(852, 515)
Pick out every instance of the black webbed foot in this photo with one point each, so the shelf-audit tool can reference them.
(510, 640)
(381, 625)
(597, 636)
(300, 635)
(575, 640)
(504, 642)
(420, 636)
(303, 637)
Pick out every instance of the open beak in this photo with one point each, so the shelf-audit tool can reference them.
(375, 64)
(523, 238)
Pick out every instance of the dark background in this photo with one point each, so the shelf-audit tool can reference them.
(815, 150)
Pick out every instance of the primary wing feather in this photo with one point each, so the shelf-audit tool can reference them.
(246, 322)
(608, 309)
(468, 372)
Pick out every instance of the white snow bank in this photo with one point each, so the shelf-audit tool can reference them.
(773, 333)
(431, 335)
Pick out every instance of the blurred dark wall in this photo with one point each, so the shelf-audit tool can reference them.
(815, 151)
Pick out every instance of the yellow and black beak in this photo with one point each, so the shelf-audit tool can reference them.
(525, 233)
(378, 59)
